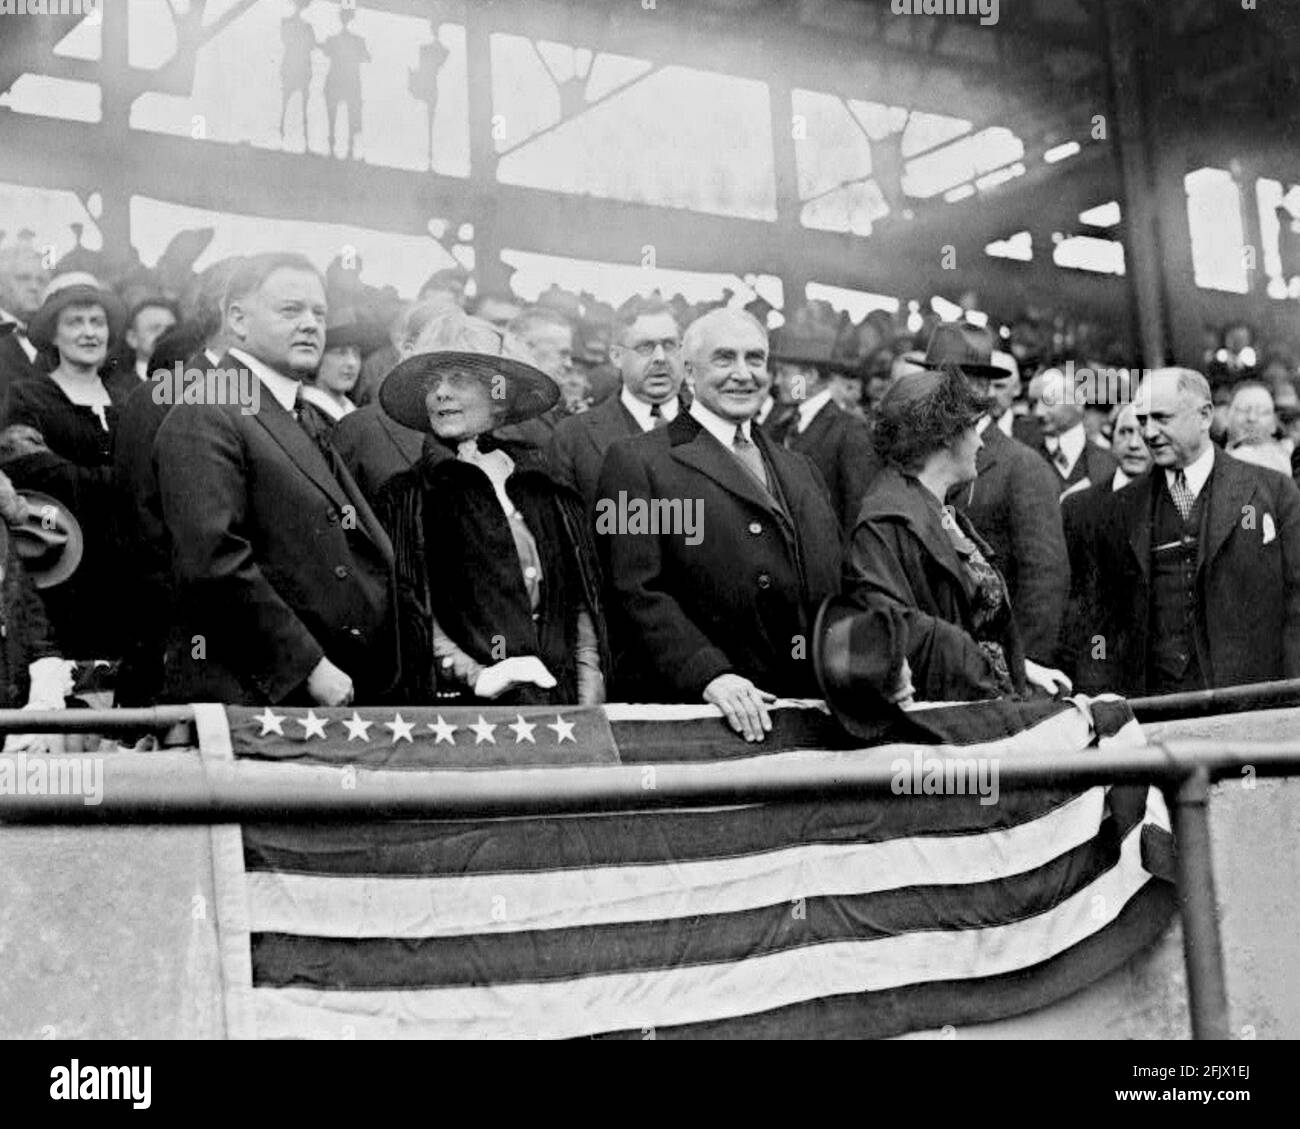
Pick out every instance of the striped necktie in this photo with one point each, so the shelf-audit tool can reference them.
(1181, 493)
(657, 419)
(751, 458)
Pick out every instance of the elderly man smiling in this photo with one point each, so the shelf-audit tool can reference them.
(1201, 579)
(727, 620)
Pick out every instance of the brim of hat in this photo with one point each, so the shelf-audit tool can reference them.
(69, 559)
(43, 323)
(529, 393)
(980, 372)
(846, 367)
(365, 338)
(835, 610)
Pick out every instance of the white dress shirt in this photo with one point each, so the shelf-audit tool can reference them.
(283, 388)
(1197, 474)
(1072, 442)
(809, 408)
(640, 410)
(723, 430)
(327, 404)
(1120, 480)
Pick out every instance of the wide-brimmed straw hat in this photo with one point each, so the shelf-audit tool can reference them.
(76, 288)
(49, 542)
(469, 344)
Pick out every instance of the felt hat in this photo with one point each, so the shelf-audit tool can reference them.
(49, 542)
(967, 347)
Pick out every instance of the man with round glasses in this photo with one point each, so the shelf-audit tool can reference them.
(647, 353)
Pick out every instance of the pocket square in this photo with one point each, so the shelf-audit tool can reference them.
(1270, 530)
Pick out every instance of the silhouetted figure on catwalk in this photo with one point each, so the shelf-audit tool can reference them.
(423, 83)
(295, 68)
(346, 52)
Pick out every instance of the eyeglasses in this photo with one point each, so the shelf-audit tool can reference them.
(670, 346)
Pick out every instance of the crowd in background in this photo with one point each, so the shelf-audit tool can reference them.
(67, 433)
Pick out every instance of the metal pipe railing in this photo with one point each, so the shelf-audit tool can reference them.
(178, 787)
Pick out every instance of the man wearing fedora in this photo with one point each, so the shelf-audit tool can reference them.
(284, 578)
(726, 615)
(647, 351)
(1013, 502)
(806, 419)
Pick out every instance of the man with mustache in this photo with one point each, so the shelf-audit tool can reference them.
(284, 578)
(724, 615)
(647, 352)
(1199, 577)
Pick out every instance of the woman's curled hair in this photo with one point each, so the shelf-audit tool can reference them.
(922, 413)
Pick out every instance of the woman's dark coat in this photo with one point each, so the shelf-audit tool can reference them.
(474, 587)
(900, 555)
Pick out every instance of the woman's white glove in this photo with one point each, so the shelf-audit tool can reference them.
(1045, 678)
(51, 683)
(495, 680)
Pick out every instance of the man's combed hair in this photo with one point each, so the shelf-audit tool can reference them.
(922, 413)
(636, 308)
(250, 274)
(534, 317)
(691, 338)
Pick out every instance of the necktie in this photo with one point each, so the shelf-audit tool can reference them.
(782, 422)
(318, 431)
(657, 417)
(749, 455)
(1060, 459)
(1181, 494)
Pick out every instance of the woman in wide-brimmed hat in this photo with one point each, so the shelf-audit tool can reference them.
(499, 594)
(74, 412)
(913, 554)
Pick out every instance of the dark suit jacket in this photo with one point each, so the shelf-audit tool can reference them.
(901, 557)
(840, 447)
(1028, 430)
(1013, 504)
(1248, 629)
(740, 600)
(14, 364)
(579, 444)
(1078, 653)
(276, 561)
(375, 447)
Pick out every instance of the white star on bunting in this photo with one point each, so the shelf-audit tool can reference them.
(401, 729)
(313, 726)
(442, 731)
(523, 730)
(358, 728)
(563, 730)
(271, 723)
(483, 731)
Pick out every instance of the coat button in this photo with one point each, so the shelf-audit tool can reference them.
(756, 527)
(530, 573)
(332, 517)
(341, 572)
(764, 581)
(355, 632)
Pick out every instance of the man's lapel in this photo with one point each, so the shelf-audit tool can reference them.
(816, 434)
(295, 442)
(702, 452)
(609, 423)
(1230, 494)
(1141, 513)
